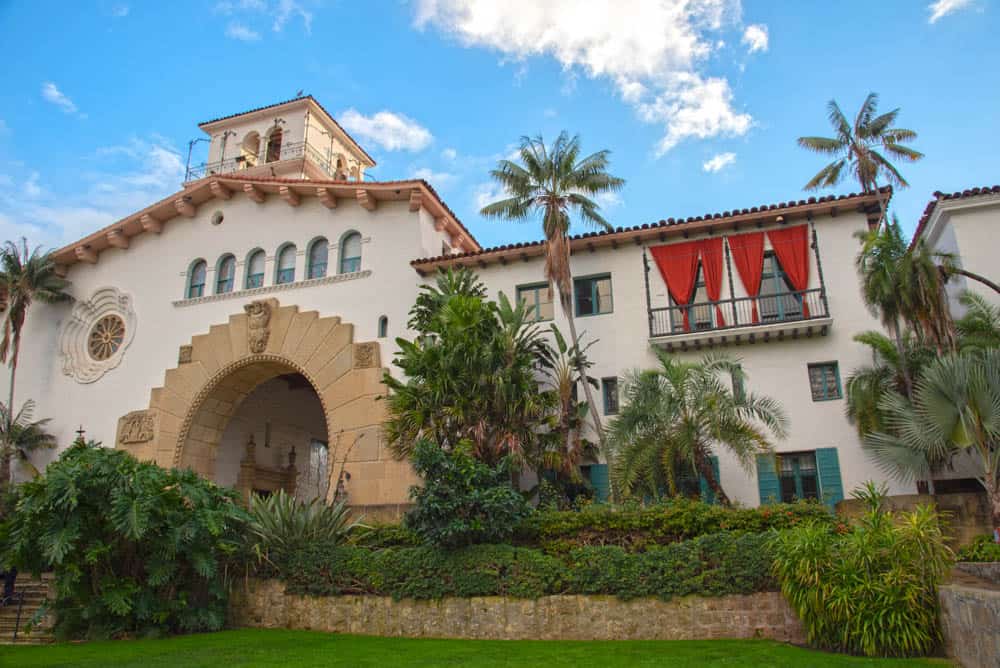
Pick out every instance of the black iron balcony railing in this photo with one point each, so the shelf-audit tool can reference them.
(739, 312)
(289, 151)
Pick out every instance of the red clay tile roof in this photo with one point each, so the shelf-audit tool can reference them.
(940, 196)
(782, 208)
(294, 99)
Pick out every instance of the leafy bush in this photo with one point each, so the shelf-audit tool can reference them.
(714, 565)
(869, 590)
(637, 528)
(377, 536)
(280, 524)
(463, 501)
(136, 549)
(982, 548)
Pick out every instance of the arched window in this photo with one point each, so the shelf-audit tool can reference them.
(255, 269)
(250, 149)
(319, 251)
(383, 327)
(350, 253)
(273, 146)
(285, 270)
(196, 279)
(225, 275)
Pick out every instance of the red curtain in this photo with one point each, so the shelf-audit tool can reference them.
(678, 264)
(711, 266)
(748, 256)
(791, 245)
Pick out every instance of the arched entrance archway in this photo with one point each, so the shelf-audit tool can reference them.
(216, 372)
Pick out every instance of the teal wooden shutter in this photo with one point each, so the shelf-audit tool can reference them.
(706, 492)
(767, 479)
(601, 482)
(828, 468)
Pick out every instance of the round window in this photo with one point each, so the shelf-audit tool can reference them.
(106, 337)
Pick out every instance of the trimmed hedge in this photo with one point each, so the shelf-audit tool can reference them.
(711, 565)
(558, 532)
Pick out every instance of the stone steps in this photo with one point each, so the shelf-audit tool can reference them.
(34, 592)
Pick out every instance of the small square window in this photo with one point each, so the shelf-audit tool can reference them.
(824, 381)
(609, 387)
(537, 301)
(593, 295)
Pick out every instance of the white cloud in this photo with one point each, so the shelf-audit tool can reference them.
(441, 179)
(119, 11)
(286, 9)
(718, 162)
(52, 94)
(608, 200)
(755, 37)
(391, 131)
(941, 8)
(241, 32)
(487, 193)
(654, 62)
(449, 154)
(31, 187)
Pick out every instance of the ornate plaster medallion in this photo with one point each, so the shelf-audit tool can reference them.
(96, 335)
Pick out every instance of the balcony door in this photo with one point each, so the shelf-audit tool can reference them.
(777, 301)
(701, 312)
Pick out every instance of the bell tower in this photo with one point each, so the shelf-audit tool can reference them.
(296, 139)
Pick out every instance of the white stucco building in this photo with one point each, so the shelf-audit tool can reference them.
(252, 314)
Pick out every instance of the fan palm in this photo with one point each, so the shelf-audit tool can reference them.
(954, 410)
(26, 276)
(682, 411)
(863, 149)
(554, 181)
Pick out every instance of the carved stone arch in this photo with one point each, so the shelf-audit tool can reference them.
(216, 371)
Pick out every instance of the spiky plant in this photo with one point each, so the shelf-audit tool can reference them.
(280, 524)
(683, 411)
(553, 182)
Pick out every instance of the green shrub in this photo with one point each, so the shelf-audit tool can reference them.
(869, 590)
(982, 548)
(462, 501)
(280, 524)
(712, 565)
(377, 536)
(640, 528)
(136, 549)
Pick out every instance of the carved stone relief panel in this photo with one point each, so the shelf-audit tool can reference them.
(366, 355)
(258, 325)
(136, 427)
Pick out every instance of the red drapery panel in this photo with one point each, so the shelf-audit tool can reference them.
(748, 256)
(711, 266)
(678, 264)
(791, 245)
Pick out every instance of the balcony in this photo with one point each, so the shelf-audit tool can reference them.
(289, 151)
(778, 316)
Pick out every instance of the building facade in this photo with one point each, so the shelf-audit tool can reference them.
(241, 327)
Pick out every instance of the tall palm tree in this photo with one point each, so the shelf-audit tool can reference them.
(955, 410)
(23, 433)
(862, 149)
(682, 411)
(554, 181)
(26, 276)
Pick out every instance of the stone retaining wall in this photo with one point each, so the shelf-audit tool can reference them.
(970, 615)
(264, 604)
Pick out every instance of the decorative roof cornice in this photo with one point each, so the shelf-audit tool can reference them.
(185, 202)
(784, 211)
(307, 99)
(932, 209)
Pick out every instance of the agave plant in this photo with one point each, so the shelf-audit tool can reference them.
(281, 524)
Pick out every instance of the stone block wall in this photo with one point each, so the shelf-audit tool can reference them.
(967, 514)
(264, 604)
(970, 619)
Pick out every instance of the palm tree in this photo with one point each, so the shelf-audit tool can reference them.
(25, 276)
(954, 410)
(22, 433)
(863, 149)
(554, 181)
(683, 411)
(979, 328)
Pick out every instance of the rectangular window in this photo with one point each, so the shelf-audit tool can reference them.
(536, 299)
(255, 280)
(593, 295)
(798, 476)
(824, 381)
(778, 301)
(609, 387)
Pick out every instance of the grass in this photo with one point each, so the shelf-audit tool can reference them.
(235, 649)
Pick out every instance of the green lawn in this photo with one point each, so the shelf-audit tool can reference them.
(232, 649)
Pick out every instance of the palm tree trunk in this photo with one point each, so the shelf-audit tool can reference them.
(8, 447)
(582, 372)
(976, 277)
(897, 336)
(704, 467)
(993, 498)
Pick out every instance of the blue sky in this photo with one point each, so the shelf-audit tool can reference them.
(700, 101)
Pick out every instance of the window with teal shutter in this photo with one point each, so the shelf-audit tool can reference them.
(768, 483)
(706, 492)
(599, 479)
(830, 485)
